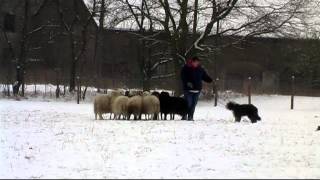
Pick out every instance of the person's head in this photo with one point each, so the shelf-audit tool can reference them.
(195, 61)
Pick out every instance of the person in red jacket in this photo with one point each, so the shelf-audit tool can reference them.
(192, 75)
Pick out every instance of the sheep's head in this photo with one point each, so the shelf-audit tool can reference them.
(164, 94)
(155, 93)
(146, 93)
(116, 93)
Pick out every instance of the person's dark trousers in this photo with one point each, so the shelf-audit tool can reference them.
(192, 99)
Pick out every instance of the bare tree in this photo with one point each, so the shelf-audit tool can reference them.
(152, 54)
(21, 61)
(183, 19)
(11, 59)
(77, 45)
(107, 14)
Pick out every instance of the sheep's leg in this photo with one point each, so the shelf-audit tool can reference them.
(155, 116)
(100, 116)
(95, 116)
(129, 116)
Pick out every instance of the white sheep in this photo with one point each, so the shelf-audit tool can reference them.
(103, 104)
(134, 106)
(134, 92)
(119, 107)
(150, 107)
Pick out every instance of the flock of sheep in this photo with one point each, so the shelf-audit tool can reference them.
(122, 105)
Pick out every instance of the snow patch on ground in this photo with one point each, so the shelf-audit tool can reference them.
(62, 140)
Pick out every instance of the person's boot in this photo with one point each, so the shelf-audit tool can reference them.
(190, 118)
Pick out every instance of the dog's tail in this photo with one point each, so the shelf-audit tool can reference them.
(231, 105)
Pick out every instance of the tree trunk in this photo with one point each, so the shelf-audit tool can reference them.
(72, 83)
(177, 69)
(20, 67)
(98, 44)
(146, 84)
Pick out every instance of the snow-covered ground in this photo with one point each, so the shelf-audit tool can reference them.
(62, 140)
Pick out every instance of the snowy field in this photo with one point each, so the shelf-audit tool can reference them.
(40, 139)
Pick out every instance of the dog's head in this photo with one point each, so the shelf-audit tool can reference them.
(231, 105)
(258, 118)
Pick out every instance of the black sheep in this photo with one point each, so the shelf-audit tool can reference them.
(180, 107)
(172, 106)
(240, 110)
(155, 93)
(165, 104)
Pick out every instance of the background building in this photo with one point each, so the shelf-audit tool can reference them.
(118, 62)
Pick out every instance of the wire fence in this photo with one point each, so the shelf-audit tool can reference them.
(219, 90)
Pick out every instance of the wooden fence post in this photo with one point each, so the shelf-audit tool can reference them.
(8, 86)
(78, 90)
(35, 89)
(215, 88)
(57, 83)
(292, 91)
(249, 90)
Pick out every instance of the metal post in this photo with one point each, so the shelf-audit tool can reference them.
(292, 91)
(249, 90)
